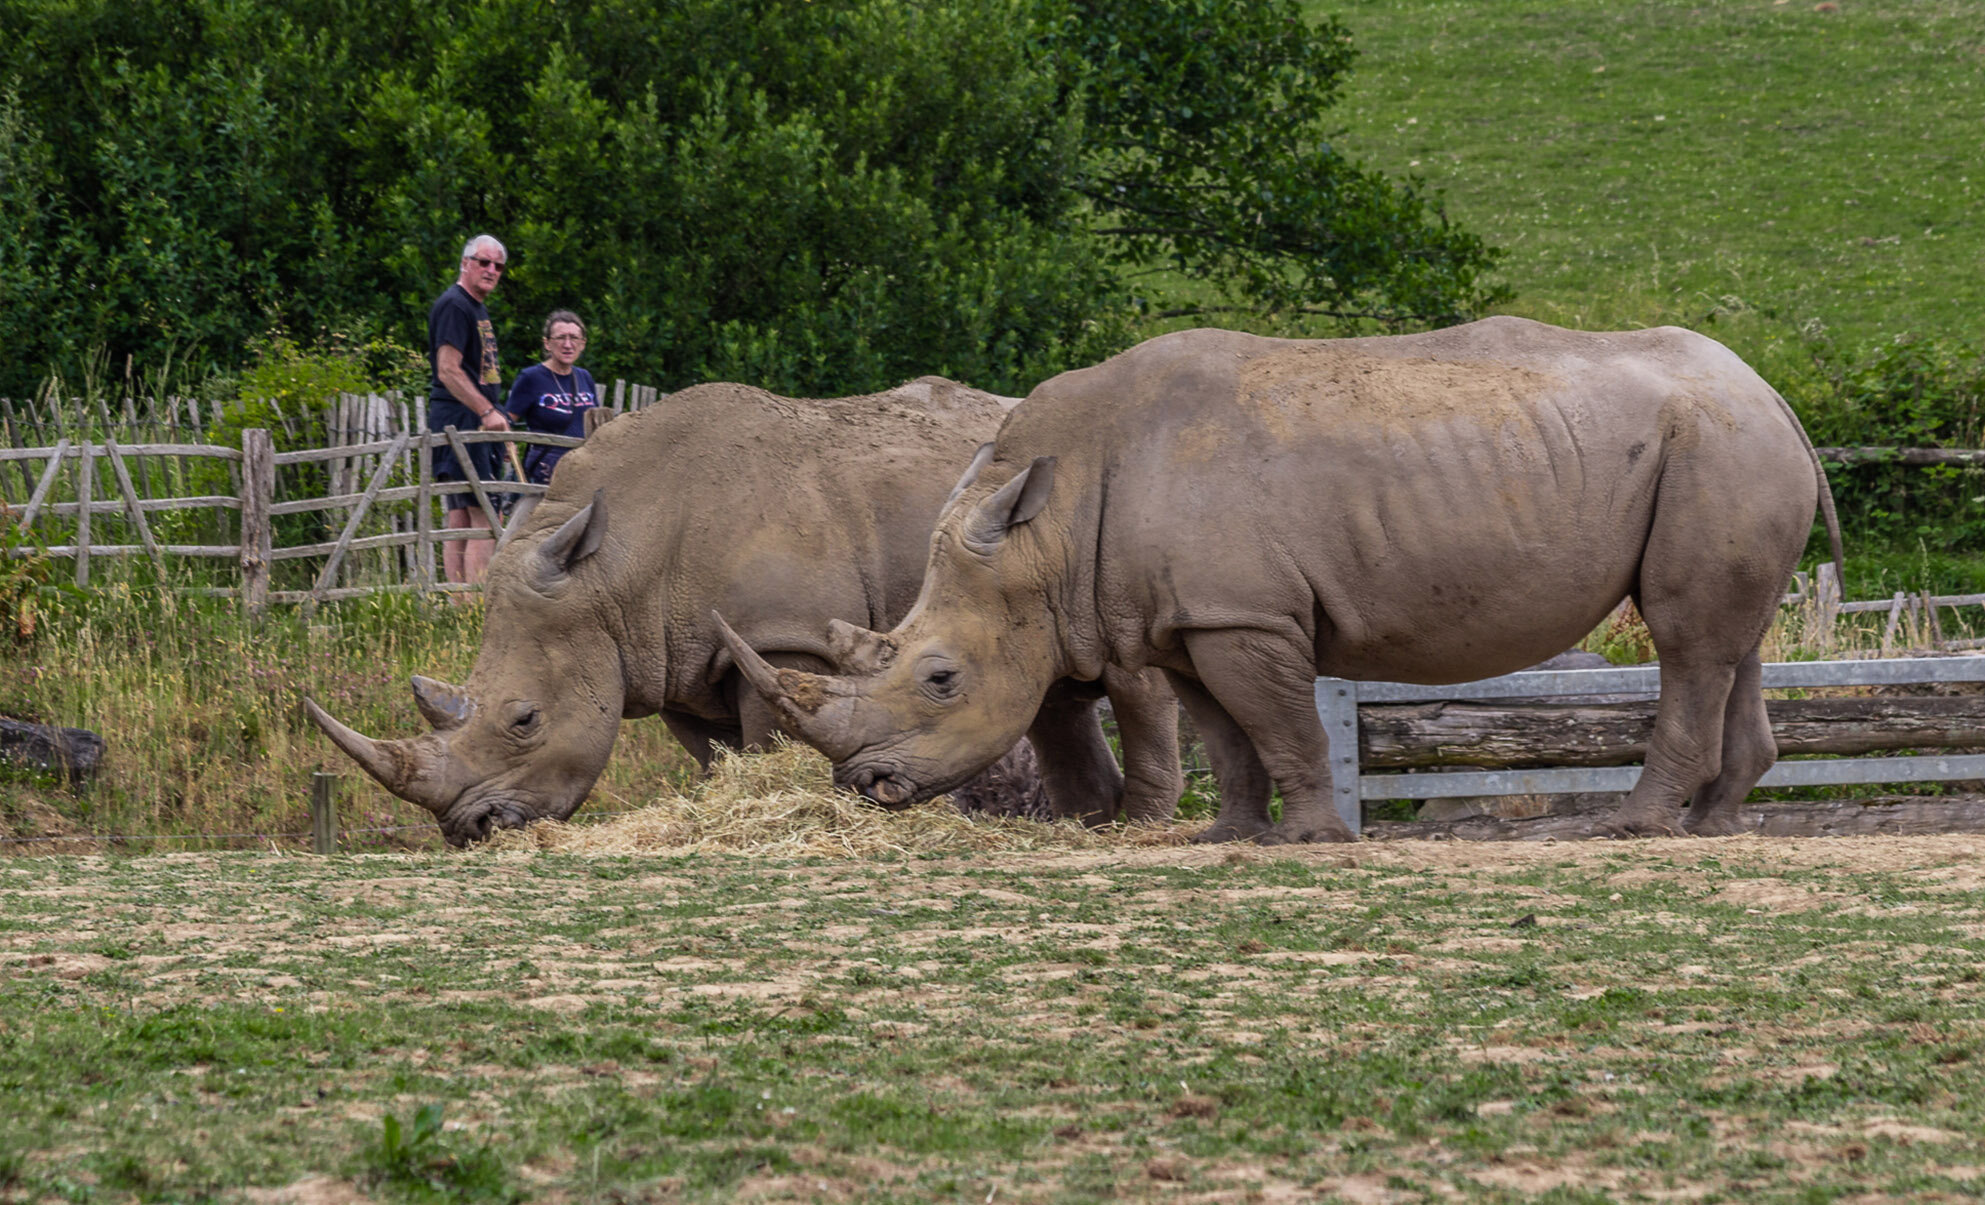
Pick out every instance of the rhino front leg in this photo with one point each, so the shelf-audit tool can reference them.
(1243, 780)
(1077, 768)
(1265, 684)
(1148, 727)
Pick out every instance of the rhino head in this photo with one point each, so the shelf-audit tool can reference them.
(529, 733)
(915, 712)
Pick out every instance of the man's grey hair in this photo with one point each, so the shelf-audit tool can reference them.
(469, 248)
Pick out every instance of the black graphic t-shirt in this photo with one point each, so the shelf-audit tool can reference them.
(459, 320)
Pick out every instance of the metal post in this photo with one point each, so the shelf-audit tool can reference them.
(323, 812)
(1337, 707)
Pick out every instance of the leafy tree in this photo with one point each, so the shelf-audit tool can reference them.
(1207, 149)
(820, 197)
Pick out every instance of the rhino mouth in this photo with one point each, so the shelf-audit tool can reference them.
(889, 790)
(471, 821)
(892, 787)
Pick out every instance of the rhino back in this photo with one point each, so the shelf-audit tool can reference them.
(1387, 494)
(778, 512)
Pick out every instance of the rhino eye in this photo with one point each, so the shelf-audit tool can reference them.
(940, 682)
(524, 719)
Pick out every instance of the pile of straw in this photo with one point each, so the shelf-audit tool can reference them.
(784, 804)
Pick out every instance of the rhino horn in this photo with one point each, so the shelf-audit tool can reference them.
(857, 650)
(797, 695)
(980, 459)
(402, 767)
(445, 707)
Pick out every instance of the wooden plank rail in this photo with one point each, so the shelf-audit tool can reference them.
(374, 476)
(1600, 765)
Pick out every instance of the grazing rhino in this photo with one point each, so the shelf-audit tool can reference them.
(1248, 513)
(774, 510)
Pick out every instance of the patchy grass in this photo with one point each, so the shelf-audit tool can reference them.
(1733, 1020)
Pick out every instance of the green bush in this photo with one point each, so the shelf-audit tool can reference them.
(1907, 392)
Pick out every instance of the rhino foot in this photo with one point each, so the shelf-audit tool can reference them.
(1318, 834)
(1223, 832)
(1627, 824)
(1712, 824)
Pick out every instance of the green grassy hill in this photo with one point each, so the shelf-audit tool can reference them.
(1747, 165)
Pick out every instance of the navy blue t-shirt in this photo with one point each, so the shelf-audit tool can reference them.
(459, 320)
(551, 404)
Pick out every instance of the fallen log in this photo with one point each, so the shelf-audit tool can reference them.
(73, 753)
(1499, 736)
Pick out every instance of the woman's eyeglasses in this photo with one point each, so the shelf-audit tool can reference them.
(565, 338)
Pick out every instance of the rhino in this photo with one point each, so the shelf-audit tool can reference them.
(776, 511)
(1248, 513)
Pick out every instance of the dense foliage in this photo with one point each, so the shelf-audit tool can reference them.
(817, 196)
(1923, 393)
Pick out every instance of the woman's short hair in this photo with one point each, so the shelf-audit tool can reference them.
(558, 316)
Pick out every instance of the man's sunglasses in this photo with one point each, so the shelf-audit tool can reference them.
(479, 261)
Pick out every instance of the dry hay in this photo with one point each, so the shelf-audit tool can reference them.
(784, 804)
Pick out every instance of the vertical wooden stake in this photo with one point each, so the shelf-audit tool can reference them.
(258, 496)
(1826, 600)
(323, 812)
(85, 472)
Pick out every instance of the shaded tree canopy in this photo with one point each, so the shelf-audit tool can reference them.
(820, 197)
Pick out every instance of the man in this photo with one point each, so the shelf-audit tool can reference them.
(466, 386)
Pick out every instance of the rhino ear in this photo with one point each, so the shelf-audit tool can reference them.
(1014, 503)
(576, 539)
(980, 459)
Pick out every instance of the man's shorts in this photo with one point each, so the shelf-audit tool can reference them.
(487, 458)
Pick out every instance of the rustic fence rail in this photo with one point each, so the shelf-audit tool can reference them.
(97, 492)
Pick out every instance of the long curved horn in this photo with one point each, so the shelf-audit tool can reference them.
(796, 695)
(396, 765)
(445, 707)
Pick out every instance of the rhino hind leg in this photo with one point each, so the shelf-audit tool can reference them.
(1710, 578)
(1685, 750)
(1748, 751)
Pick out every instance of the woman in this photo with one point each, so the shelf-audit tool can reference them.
(552, 396)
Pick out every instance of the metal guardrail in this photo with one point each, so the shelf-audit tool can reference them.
(1337, 701)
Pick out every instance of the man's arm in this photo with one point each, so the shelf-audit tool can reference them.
(448, 370)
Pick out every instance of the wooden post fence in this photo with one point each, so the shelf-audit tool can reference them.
(323, 812)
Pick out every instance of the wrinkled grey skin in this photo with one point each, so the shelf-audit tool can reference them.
(1249, 513)
(778, 512)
